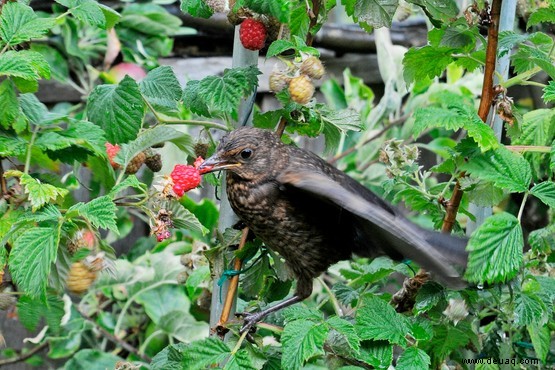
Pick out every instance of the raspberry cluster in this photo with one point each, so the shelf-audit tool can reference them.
(152, 159)
(252, 34)
(185, 177)
(112, 151)
(298, 79)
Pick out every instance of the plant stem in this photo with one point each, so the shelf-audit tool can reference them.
(23, 356)
(333, 298)
(31, 143)
(529, 148)
(147, 340)
(239, 342)
(521, 210)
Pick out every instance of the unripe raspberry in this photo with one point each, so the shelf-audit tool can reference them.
(184, 179)
(112, 150)
(252, 34)
(279, 81)
(201, 149)
(80, 278)
(312, 67)
(218, 6)
(135, 164)
(154, 162)
(301, 89)
(82, 239)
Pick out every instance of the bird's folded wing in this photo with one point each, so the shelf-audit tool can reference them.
(406, 238)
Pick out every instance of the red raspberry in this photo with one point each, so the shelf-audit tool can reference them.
(112, 150)
(163, 235)
(252, 34)
(184, 178)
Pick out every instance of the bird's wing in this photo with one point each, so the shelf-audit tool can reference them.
(429, 249)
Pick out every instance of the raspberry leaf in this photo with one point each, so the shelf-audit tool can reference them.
(280, 9)
(161, 89)
(19, 23)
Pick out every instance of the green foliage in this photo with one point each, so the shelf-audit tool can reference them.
(19, 23)
(377, 320)
(374, 13)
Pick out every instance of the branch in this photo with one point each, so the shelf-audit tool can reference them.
(232, 289)
(23, 356)
(3, 185)
(112, 338)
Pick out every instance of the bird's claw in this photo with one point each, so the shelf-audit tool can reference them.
(249, 322)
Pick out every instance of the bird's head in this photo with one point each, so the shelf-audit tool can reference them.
(248, 152)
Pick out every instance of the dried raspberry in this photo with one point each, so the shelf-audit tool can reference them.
(301, 89)
(135, 164)
(312, 67)
(163, 235)
(184, 179)
(154, 162)
(112, 150)
(201, 149)
(252, 34)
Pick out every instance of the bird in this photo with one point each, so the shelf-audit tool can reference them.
(315, 215)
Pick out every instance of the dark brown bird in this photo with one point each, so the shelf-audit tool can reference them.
(314, 215)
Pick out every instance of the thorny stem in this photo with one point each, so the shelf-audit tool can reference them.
(453, 204)
(233, 283)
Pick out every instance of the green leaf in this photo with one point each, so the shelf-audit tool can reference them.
(36, 112)
(495, 250)
(426, 62)
(279, 46)
(161, 89)
(549, 92)
(378, 354)
(130, 181)
(376, 320)
(279, 9)
(118, 109)
(345, 294)
(12, 146)
(91, 359)
(222, 94)
(347, 330)
(541, 15)
(300, 312)
(182, 218)
(428, 296)
(19, 23)
(485, 194)
(31, 259)
(87, 11)
(25, 64)
(150, 19)
(446, 339)
(205, 353)
(162, 300)
(148, 138)
(299, 22)
(507, 170)
(413, 359)
(240, 360)
(442, 10)
(196, 8)
(183, 326)
(543, 240)
(40, 193)
(57, 62)
(101, 212)
(541, 339)
(169, 358)
(9, 105)
(529, 309)
(301, 340)
(545, 192)
(31, 310)
(376, 13)
(537, 127)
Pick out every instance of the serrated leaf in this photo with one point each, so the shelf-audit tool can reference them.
(425, 62)
(57, 62)
(40, 193)
(87, 11)
(537, 127)
(130, 181)
(347, 330)
(24, 64)
(345, 294)
(549, 92)
(150, 19)
(413, 359)
(495, 250)
(205, 353)
(485, 194)
(543, 240)
(279, 9)
(19, 23)
(376, 320)
(169, 358)
(12, 146)
(9, 105)
(447, 338)
(442, 10)
(529, 309)
(182, 218)
(299, 312)
(146, 139)
(161, 89)
(279, 46)
(117, 109)
(301, 340)
(92, 359)
(541, 339)
(31, 259)
(509, 39)
(86, 135)
(101, 212)
(36, 112)
(507, 170)
(196, 8)
(222, 94)
(299, 21)
(428, 296)
(541, 15)
(378, 354)
(31, 310)
(240, 360)
(545, 192)
(376, 13)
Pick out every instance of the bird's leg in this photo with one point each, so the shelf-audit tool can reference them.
(303, 291)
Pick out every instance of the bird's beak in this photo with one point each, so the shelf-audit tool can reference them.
(216, 163)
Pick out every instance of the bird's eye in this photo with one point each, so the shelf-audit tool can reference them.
(246, 153)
